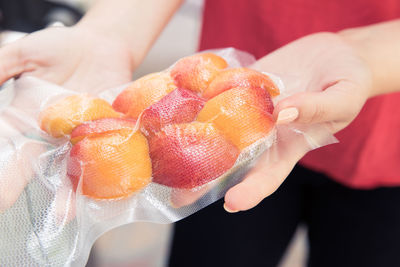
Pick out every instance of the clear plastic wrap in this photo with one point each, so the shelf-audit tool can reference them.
(47, 220)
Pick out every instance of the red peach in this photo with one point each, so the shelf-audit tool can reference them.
(101, 126)
(179, 106)
(243, 115)
(110, 165)
(189, 155)
(64, 115)
(196, 72)
(142, 93)
(240, 77)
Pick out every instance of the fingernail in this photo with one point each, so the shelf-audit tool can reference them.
(228, 209)
(287, 115)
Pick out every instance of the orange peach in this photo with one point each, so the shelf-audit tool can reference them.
(239, 77)
(64, 115)
(142, 93)
(110, 165)
(179, 106)
(196, 72)
(244, 115)
(189, 155)
(101, 126)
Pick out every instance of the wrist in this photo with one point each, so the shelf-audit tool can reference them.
(378, 45)
(357, 39)
(89, 32)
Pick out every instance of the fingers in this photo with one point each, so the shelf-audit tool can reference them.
(339, 103)
(11, 61)
(268, 174)
(261, 182)
(16, 170)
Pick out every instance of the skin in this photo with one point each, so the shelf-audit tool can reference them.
(342, 70)
(102, 44)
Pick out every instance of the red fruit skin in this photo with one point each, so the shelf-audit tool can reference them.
(143, 92)
(120, 103)
(240, 77)
(179, 106)
(74, 166)
(197, 71)
(101, 126)
(263, 100)
(190, 155)
(243, 115)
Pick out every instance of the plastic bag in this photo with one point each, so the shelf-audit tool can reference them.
(51, 218)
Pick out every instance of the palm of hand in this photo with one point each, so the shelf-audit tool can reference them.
(333, 84)
(334, 79)
(74, 58)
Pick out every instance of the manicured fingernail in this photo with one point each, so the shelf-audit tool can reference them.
(228, 209)
(287, 115)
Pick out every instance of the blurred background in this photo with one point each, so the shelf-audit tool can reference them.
(139, 244)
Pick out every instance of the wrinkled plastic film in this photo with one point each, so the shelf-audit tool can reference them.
(44, 222)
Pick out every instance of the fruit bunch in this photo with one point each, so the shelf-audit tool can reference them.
(181, 128)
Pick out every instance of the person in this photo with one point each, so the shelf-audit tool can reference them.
(347, 56)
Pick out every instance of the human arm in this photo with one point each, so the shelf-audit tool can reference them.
(340, 72)
(101, 51)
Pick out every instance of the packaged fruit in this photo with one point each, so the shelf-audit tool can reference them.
(110, 164)
(189, 155)
(158, 150)
(196, 72)
(63, 116)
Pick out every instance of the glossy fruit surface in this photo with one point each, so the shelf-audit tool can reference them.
(240, 77)
(196, 72)
(243, 115)
(179, 106)
(110, 165)
(100, 127)
(190, 155)
(64, 115)
(142, 93)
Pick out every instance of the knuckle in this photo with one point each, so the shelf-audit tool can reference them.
(318, 113)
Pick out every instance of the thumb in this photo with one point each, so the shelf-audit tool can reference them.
(339, 103)
(11, 61)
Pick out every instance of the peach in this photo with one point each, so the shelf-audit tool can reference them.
(179, 106)
(101, 126)
(142, 93)
(189, 155)
(239, 77)
(64, 115)
(110, 165)
(196, 72)
(242, 114)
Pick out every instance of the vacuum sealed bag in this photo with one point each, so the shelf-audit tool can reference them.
(74, 165)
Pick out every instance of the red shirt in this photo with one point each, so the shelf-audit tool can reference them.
(368, 154)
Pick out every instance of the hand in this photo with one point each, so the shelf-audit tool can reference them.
(337, 84)
(76, 58)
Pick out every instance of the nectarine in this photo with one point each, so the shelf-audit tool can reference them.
(64, 115)
(190, 154)
(242, 114)
(101, 126)
(112, 165)
(196, 72)
(179, 106)
(142, 93)
(239, 77)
